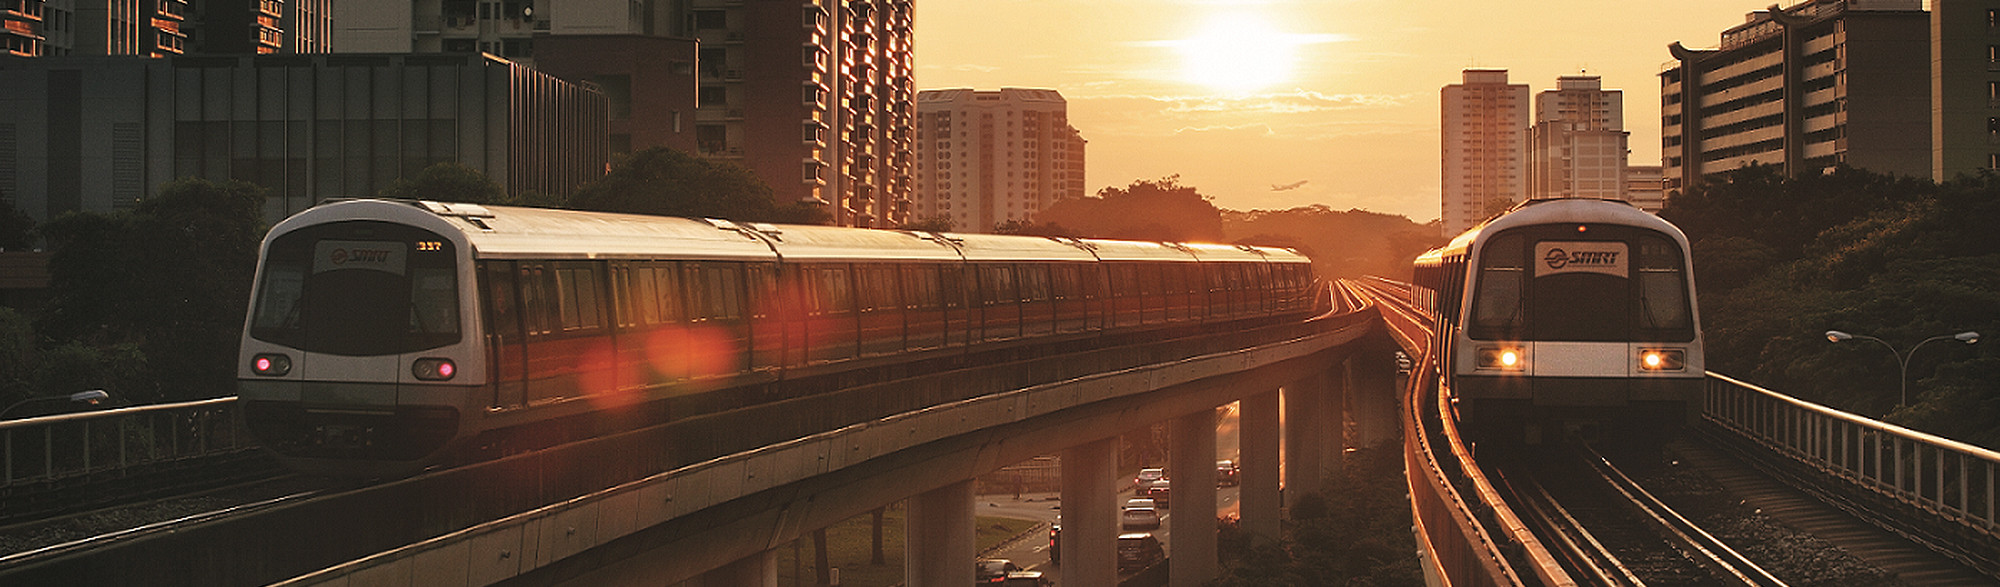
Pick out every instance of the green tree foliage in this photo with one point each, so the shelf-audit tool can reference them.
(1155, 210)
(1780, 261)
(17, 229)
(1356, 531)
(171, 279)
(17, 356)
(448, 182)
(1023, 227)
(665, 182)
(939, 223)
(1345, 244)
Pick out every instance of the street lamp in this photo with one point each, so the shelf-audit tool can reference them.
(81, 397)
(1902, 358)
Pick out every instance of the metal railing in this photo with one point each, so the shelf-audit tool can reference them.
(1951, 482)
(54, 448)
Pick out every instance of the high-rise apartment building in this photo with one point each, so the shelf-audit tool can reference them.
(159, 28)
(1484, 141)
(98, 133)
(815, 96)
(987, 157)
(1643, 187)
(1577, 147)
(1821, 83)
(1965, 87)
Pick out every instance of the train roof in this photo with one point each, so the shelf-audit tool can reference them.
(502, 232)
(1213, 252)
(1557, 211)
(1003, 247)
(1123, 250)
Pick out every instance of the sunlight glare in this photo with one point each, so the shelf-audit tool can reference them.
(1238, 54)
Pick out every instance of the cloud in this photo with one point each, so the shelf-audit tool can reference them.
(1296, 101)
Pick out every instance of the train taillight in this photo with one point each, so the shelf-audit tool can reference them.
(434, 369)
(1662, 359)
(271, 365)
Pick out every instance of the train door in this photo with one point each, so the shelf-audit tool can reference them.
(766, 321)
(716, 314)
(504, 337)
(956, 296)
(923, 307)
(879, 312)
(1000, 302)
(1038, 305)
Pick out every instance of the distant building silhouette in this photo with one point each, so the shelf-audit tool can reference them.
(1965, 87)
(987, 157)
(161, 28)
(1576, 149)
(99, 133)
(815, 97)
(1821, 83)
(1484, 135)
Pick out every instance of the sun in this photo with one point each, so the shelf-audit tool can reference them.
(1238, 54)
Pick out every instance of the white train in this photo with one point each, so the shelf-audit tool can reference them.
(1565, 312)
(385, 336)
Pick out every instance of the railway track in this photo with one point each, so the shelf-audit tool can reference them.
(1610, 530)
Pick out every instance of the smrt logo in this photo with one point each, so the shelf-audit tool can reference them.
(1558, 258)
(342, 256)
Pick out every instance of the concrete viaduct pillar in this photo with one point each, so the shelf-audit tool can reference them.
(1373, 396)
(1192, 524)
(1090, 513)
(759, 569)
(1259, 491)
(1303, 429)
(938, 548)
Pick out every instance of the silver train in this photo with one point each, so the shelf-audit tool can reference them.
(1565, 315)
(386, 336)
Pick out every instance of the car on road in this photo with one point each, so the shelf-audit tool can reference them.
(1139, 519)
(1139, 550)
(1227, 474)
(1160, 491)
(1027, 579)
(1146, 478)
(993, 571)
(1141, 502)
(1055, 540)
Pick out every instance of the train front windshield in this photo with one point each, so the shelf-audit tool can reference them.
(358, 288)
(1598, 284)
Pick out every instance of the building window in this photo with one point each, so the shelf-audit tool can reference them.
(1993, 161)
(714, 96)
(711, 139)
(709, 20)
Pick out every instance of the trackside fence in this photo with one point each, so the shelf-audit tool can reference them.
(1931, 489)
(53, 449)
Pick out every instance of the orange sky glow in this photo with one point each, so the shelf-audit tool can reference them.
(1241, 96)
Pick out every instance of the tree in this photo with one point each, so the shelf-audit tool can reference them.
(1023, 227)
(448, 182)
(1155, 210)
(1496, 206)
(665, 182)
(939, 223)
(171, 279)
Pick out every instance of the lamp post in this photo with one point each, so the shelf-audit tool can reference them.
(82, 397)
(1903, 358)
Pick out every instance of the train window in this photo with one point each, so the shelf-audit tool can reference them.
(718, 286)
(278, 299)
(433, 300)
(951, 280)
(996, 285)
(535, 307)
(1663, 305)
(1496, 303)
(832, 291)
(576, 288)
(764, 284)
(503, 316)
(643, 290)
(1034, 283)
(670, 296)
(1063, 282)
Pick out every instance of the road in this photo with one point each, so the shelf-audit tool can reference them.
(1032, 551)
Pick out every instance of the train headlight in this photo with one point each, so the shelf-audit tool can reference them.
(434, 369)
(1662, 359)
(271, 365)
(1502, 358)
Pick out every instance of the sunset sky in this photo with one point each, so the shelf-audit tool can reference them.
(1240, 96)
